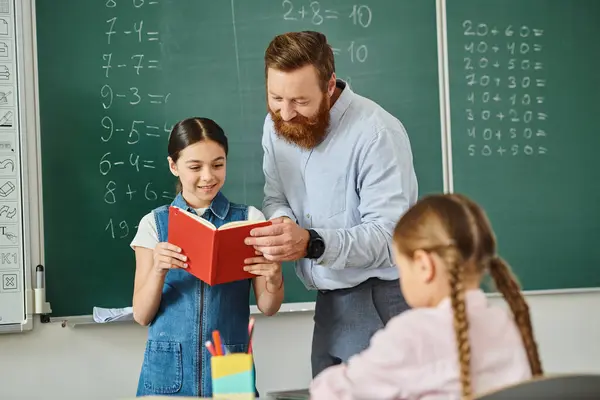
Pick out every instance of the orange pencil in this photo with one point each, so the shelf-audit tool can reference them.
(217, 343)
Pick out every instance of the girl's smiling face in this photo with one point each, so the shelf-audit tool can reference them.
(201, 168)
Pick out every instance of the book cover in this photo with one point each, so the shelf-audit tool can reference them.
(215, 255)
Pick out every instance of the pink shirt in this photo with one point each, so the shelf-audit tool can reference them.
(415, 357)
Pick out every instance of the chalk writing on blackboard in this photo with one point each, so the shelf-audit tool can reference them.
(358, 14)
(504, 73)
(125, 142)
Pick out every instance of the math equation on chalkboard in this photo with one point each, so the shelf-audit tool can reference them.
(322, 16)
(128, 175)
(505, 82)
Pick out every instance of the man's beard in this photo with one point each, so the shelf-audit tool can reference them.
(304, 132)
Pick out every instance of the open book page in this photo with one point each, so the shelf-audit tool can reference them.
(235, 224)
(199, 219)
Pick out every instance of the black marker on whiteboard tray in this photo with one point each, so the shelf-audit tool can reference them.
(42, 307)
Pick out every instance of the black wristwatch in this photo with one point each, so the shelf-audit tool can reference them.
(316, 245)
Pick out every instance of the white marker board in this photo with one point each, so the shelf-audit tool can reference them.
(13, 287)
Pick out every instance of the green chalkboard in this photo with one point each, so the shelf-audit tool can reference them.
(115, 75)
(524, 109)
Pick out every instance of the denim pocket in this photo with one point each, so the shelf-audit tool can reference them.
(163, 369)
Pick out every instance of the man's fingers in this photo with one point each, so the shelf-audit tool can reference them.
(269, 251)
(280, 220)
(266, 241)
(272, 230)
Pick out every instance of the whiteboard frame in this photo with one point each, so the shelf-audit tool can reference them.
(444, 88)
(26, 84)
(286, 308)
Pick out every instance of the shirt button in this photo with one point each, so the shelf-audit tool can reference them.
(308, 216)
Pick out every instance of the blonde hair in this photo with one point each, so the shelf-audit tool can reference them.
(457, 230)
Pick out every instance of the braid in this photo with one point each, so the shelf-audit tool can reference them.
(508, 286)
(461, 326)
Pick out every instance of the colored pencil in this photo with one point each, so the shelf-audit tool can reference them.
(210, 348)
(250, 332)
(217, 342)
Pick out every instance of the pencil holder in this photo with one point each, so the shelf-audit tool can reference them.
(233, 376)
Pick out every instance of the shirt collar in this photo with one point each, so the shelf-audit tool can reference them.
(342, 103)
(219, 205)
(474, 298)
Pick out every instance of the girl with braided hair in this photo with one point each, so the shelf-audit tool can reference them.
(452, 344)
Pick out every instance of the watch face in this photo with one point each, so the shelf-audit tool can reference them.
(316, 246)
(320, 244)
(319, 247)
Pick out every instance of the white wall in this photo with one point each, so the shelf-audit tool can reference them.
(102, 362)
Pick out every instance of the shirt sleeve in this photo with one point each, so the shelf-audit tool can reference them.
(254, 214)
(387, 186)
(376, 373)
(147, 233)
(275, 203)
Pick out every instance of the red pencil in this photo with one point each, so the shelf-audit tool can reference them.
(217, 343)
(210, 348)
(250, 332)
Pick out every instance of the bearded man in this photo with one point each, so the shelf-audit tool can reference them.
(338, 175)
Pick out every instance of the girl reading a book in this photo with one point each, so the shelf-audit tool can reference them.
(181, 310)
(452, 344)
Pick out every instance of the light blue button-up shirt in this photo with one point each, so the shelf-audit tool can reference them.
(351, 189)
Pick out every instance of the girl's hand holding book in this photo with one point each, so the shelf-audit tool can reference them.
(167, 256)
(259, 265)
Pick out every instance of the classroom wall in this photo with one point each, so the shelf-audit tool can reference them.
(102, 362)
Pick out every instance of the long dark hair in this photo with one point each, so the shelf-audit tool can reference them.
(191, 131)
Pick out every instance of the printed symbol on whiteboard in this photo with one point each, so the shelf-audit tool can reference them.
(9, 282)
(4, 72)
(11, 236)
(4, 6)
(9, 258)
(5, 97)
(6, 146)
(9, 212)
(3, 27)
(3, 50)
(7, 189)
(6, 119)
(7, 165)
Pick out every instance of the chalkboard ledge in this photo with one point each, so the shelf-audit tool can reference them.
(78, 320)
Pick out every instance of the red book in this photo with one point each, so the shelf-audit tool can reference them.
(214, 255)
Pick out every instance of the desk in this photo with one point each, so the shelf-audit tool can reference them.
(298, 394)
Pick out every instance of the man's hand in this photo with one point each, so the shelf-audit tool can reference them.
(284, 240)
